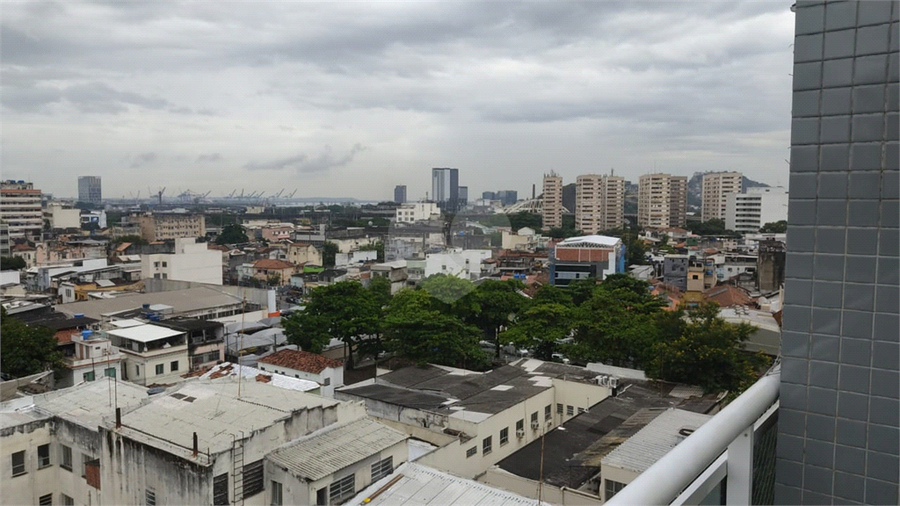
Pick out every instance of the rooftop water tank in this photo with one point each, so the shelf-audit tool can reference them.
(86, 334)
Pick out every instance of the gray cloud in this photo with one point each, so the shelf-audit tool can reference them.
(143, 159)
(303, 164)
(212, 157)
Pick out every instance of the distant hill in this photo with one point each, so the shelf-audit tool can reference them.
(695, 187)
(569, 197)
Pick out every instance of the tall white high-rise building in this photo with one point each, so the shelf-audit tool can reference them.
(716, 188)
(552, 201)
(748, 212)
(599, 203)
(662, 200)
(20, 209)
(89, 189)
(445, 188)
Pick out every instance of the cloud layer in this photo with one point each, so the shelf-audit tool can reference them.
(350, 99)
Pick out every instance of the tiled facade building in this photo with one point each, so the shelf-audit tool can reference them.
(838, 422)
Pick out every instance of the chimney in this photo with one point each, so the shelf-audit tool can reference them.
(533, 190)
(118, 418)
(194, 453)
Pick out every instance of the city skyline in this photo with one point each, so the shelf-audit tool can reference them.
(209, 100)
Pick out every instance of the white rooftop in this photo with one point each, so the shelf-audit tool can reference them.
(331, 449)
(121, 324)
(144, 333)
(85, 404)
(656, 439)
(597, 240)
(423, 486)
(229, 370)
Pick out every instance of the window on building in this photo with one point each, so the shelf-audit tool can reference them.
(327, 382)
(504, 436)
(18, 463)
(65, 457)
(276, 494)
(341, 489)
(160, 368)
(156, 264)
(85, 458)
(548, 414)
(110, 372)
(156, 276)
(88, 376)
(45, 500)
(43, 456)
(520, 425)
(534, 418)
(570, 410)
(165, 264)
(174, 365)
(253, 478)
(220, 490)
(581, 410)
(486, 445)
(66, 500)
(559, 408)
(471, 452)
(612, 488)
(150, 497)
(382, 469)
(137, 370)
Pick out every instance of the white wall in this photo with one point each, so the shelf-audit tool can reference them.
(335, 376)
(148, 363)
(191, 262)
(460, 263)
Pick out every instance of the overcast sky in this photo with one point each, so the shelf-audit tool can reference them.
(350, 99)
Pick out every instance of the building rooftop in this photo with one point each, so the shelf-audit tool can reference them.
(144, 333)
(331, 449)
(229, 370)
(85, 404)
(190, 299)
(462, 394)
(300, 361)
(268, 263)
(423, 486)
(214, 411)
(589, 241)
(655, 440)
(191, 324)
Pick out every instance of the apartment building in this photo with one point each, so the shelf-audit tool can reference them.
(153, 354)
(162, 226)
(417, 211)
(190, 262)
(716, 188)
(552, 201)
(20, 209)
(662, 201)
(599, 203)
(89, 189)
(747, 212)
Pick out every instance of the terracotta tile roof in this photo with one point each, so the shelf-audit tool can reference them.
(268, 263)
(23, 247)
(728, 296)
(300, 360)
(122, 247)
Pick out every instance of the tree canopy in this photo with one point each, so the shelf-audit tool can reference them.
(26, 350)
(774, 227)
(232, 233)
(11, 263)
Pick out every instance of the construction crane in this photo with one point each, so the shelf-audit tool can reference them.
(292, 194)
(232, 194)
(278, 194)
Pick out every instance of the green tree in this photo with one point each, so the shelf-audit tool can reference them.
(273, 279)
(343, 310)
(708, 353)
(133, 239)
(552, 294)
(609, 330)
(633, 293)
(540, 327)
(582, 290)
(329, 254)
(775, 227)
(11, 263)
(232, 233)
(418, 331)
(449, 290)
(377, 247)
(493, 305)
(27, 350)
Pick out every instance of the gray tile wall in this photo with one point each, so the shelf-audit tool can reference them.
(838, 440)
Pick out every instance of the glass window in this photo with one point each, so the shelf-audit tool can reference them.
(110, 372)
(43, 456)
(504, 436)
(66, 500)
(160, 368)
(174, 365)
(520, 425)
(18, 463)
(559, 408)
(472, 451)
(85, 458)
(612, 488)
(276, 494)
(486, 445)
(88, 376)
(534, 418)
(65, 457)
(547, 412)
(327, 382)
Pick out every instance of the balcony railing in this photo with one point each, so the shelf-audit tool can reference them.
(719, 452)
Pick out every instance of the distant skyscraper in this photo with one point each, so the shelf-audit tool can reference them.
(445, 188)
(599, 203)
(839, 410)
(488, 196)
(552, 200)
(89, 189)
(507, 197)
(463, 196)
(662, 200)
(716, 188)
(400, 194)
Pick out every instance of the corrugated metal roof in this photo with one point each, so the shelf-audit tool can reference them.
(423, 486)
(655, 440)
(332, 449)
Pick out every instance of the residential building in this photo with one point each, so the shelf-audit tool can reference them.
(89, 190)
(462, 263)
(95, 217)
(599, 203)
(748, 212)
(153, 354)
(400, 194)
(838, 420)
(552, 206)
(417, 211)
(395, 272)
(191, 261)
(675, 271)
(20, 209)
(716, 188)
(61, 217)
(662, 201)
(95, 358)
(328, 373)
(4, 239)
(595, 256)
(269, 272)
(770, 265)
(300, 253)
(445, 188)
(205, 340)
(162, 226)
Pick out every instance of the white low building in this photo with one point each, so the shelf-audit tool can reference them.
(417, 211)
(462, 263)
(328, 373)
(190, 262)
(747, 212)
(153, 354)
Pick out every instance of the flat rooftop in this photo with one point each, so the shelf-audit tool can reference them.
(144, 333)
(181, 301)
(461, 394)
(655, 440)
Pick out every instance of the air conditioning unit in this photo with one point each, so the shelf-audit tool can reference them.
(548, 424)
(602, 380)
(520, 433)
(535, 425)
(613, 382)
